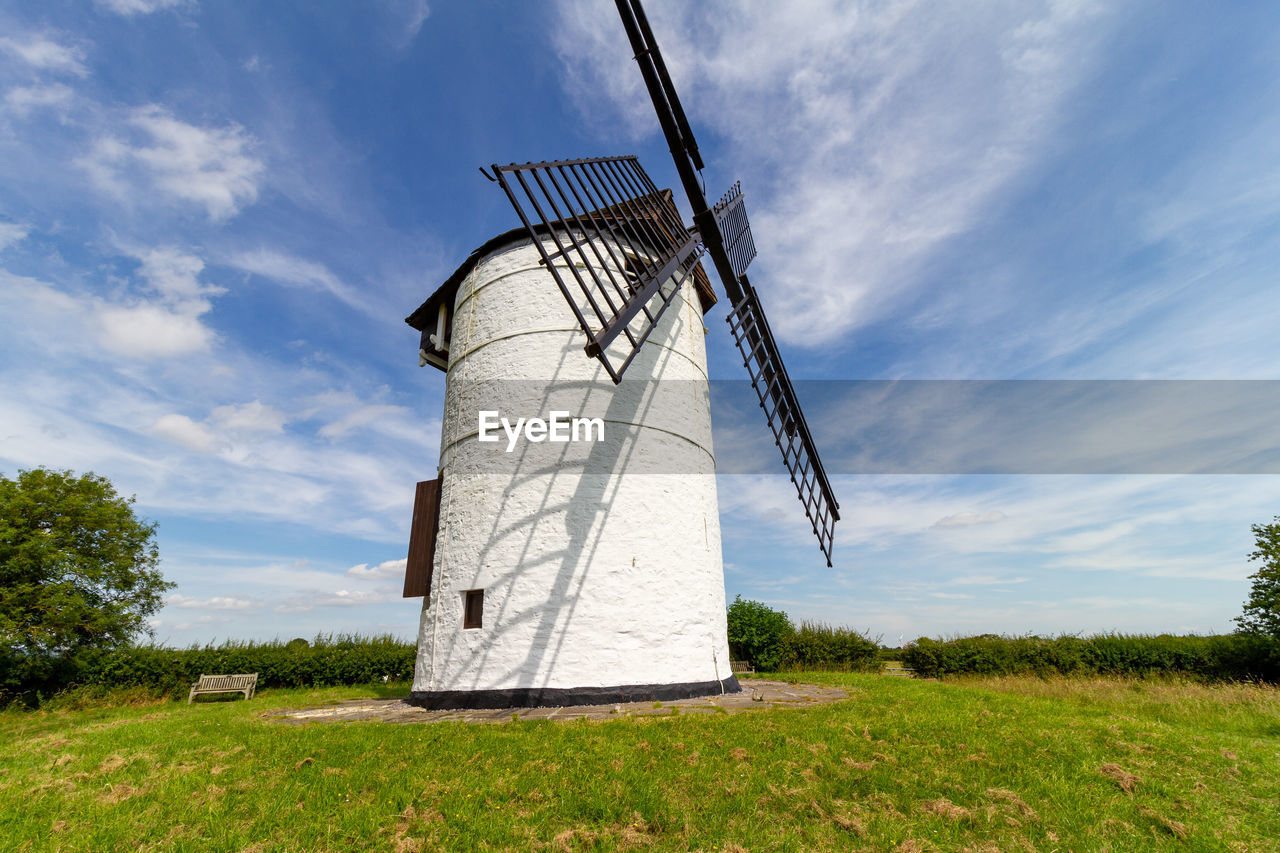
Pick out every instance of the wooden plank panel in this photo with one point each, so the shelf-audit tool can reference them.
(422, 539)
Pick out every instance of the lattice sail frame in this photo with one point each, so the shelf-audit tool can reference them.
(735, 229)
(777, 398)
(727, 235)
(621, 249)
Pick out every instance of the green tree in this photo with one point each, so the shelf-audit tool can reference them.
(758, 633)
(1262, 610)
(78, 571)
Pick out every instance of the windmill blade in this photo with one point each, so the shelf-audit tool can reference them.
(735, 230)
(727, 236)
(621, 250)
(778, 399)
(688, 143)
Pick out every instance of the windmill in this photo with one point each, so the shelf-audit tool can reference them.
(590, 573)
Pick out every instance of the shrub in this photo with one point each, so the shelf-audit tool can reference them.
(1217, 657)
(326, 661)
(758, 634)
(819, 646)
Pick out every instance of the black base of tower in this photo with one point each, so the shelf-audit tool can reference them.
(560, 697)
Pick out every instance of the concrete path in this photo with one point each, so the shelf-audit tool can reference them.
(756, 694)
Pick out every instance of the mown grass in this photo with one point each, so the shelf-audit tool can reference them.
(994, 764)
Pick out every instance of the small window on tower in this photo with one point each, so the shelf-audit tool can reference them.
(473, 610)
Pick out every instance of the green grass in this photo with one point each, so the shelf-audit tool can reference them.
(995, 764)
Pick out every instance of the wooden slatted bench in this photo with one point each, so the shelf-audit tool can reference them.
(897, 669)
(245, 684)
(741, 666)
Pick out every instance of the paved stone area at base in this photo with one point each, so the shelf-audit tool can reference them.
(756, 694)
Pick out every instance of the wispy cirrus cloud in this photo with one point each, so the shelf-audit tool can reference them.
(217, 602)
(376, 417)
(306, 602)
(300, 597)
(406, 18)
(251, 441)
(128, 8)
(871, 135)
(293, 271)
(42, 53)
(967, 519)
(210, 167)
(12, 233)
(986, 580)
(22, 100)
(253, 417)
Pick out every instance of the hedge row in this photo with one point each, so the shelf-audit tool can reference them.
(1236, 657)
(325, 661)
(817, 646)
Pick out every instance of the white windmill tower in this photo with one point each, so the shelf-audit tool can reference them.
(574, 556)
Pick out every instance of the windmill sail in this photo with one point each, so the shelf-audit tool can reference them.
(614, 243)
(778, 399)
(735, 230)
(727, 236)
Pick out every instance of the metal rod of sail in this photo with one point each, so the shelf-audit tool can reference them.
(668, 88)
(621, 251)
(746, 318)
(770, 381)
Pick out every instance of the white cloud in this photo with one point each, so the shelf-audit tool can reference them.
(409, 16)
(1132, 558)
(130, 422)
(128, 325)
(12, 233)
(129, 8)
(183, 431)
(867, 136)
(968, 519)
(168, 326)
(214, 603)
(984, 580)
(291, 270)
(418, 11)
(23, 99)
(387, 570)
(242, 585)
(1102, 602)
(361, 417)
(174, 274)
(249, 417)
(767, 505)
(212, 167)
(341, 598)
(1172, 538)
(152, 331)
(43, 53)
(206, 621)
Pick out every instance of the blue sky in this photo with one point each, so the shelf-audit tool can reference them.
(214, 217)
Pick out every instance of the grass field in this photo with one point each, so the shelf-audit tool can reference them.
(984, 765)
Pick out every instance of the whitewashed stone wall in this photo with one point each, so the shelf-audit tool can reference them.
(600, 564)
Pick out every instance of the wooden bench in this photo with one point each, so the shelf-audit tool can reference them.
(245, 684)
(741, 666)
